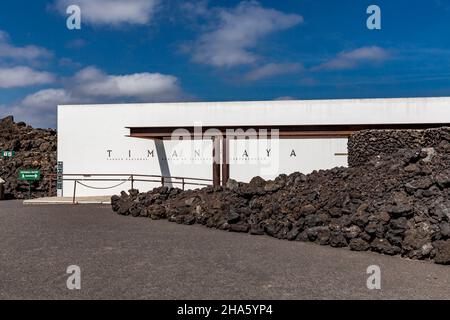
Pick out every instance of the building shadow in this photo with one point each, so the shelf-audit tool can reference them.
(163, 162)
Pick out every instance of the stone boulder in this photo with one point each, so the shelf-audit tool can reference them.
(395, 203)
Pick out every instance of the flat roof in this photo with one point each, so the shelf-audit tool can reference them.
(434, 110)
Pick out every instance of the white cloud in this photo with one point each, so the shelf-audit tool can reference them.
(91, 85)
(273, 69)
(198, 8)
(47, 98)
(236, 32)
(92, 82)
(68, 63)
(39, 108)
(16, 53)
(352, 59)
(23, 76)
(112, 12)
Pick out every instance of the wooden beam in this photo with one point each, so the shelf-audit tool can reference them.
(285, 131)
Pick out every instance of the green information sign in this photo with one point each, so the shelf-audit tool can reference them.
(8, 154)
(30, 175)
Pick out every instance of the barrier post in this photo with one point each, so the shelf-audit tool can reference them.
(74, 191)
(162, 181)
(132, 182)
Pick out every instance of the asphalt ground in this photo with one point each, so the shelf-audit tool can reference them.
(137, 258)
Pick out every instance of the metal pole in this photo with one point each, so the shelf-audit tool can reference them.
(132, 182)
(162, 181)
(74, 191)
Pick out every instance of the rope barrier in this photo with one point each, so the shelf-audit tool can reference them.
(103, 188)
(164, 180)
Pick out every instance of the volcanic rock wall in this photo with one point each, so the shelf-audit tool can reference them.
(366, 144)
(34, 149)
(395, 204)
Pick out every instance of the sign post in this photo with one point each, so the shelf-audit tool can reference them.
(29, 175)
(59, 178)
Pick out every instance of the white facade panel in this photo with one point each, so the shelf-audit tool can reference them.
(291, 112)
(92, 139)
(270, 158)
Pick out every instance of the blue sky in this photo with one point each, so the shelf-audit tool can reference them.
(156, 50)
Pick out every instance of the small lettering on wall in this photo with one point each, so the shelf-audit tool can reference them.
(195, 155)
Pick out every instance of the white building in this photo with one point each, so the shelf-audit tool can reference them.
(101, 146)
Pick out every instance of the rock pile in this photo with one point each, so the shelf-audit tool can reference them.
(33, 149)
(366, 144)
(398, 204)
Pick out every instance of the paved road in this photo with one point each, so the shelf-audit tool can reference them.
(125, 257)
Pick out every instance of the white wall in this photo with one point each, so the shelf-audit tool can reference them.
(268, 159)
(87, 132)
(293, 112)
(106, 150)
